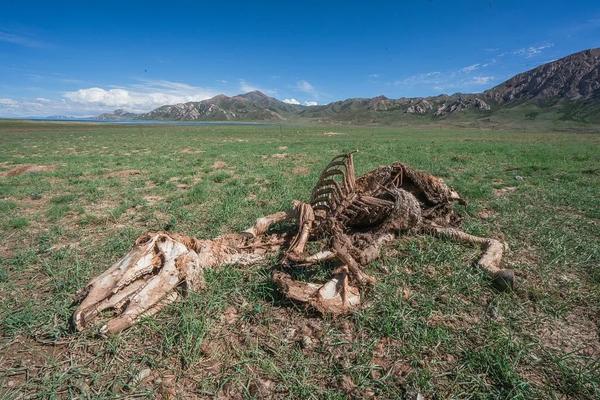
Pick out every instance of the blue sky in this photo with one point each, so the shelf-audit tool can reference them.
(74, 58)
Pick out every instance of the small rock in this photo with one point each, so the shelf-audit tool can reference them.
(485, 214)
(503, 191)
(230, 316)
(219, 164)
(143, 374)
(307, 342)
(519, 177)
(262, 388)
(347, 384)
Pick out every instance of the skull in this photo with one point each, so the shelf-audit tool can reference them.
(142, 282)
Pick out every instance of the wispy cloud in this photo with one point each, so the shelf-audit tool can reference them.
(471, 68)
(460, 79)
(306, 87)
(480, 80)
(311, 103)
(20, 40)
(291, 101)
(532, 51)
(246, 87)
(8, 102)
(423, 78)
(38, 107)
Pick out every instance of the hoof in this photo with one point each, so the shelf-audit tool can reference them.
(504, 279)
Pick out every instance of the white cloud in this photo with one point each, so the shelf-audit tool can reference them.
(374, 76)
(311, 103)
(306, 87)
(481, 80)
(140, 97)
(246, 87)
(102, 97)
(457, 80)
(470, 68)
(38, 107)
(291, 101)
(421, 78)
(532, 51)
(7, 102)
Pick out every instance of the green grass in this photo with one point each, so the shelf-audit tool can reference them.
(432, 324)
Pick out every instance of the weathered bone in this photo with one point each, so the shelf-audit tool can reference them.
(351, 217)
(336, 296)
(490, 259)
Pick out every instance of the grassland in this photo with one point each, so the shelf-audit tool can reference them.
(432, 325)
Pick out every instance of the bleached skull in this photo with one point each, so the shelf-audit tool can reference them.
(143, 281)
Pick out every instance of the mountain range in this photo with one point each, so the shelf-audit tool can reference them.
(568, 89)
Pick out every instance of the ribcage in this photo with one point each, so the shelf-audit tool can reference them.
(336, 185)
(338, 194)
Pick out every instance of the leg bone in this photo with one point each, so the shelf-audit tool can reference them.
(490, 259)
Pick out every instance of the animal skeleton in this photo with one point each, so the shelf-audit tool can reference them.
(350, 217)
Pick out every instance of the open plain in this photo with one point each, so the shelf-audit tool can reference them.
(74, 196)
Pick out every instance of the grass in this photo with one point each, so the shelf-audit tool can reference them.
(432, 324)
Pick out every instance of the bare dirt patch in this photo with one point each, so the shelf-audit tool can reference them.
(279, 156)
(24, 358)
(576, 333)
(333, 133)
(486, 213)
(153, 199)
(302, 171)
(125, 173)
(282, 148)
(28, 169)
(504, 191)
(219, 164)
(189, 150)
(385, 360)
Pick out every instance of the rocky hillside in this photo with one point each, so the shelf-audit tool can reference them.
(252, 106)
(381, 108)
(117, 115)
(569, 87)
(575, 77)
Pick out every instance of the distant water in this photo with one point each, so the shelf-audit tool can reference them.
(146, 122)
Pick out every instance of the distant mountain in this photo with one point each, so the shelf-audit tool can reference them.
(575, 77)
(569, 88)
(117, 115)
(252, 106)
(382, 109)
